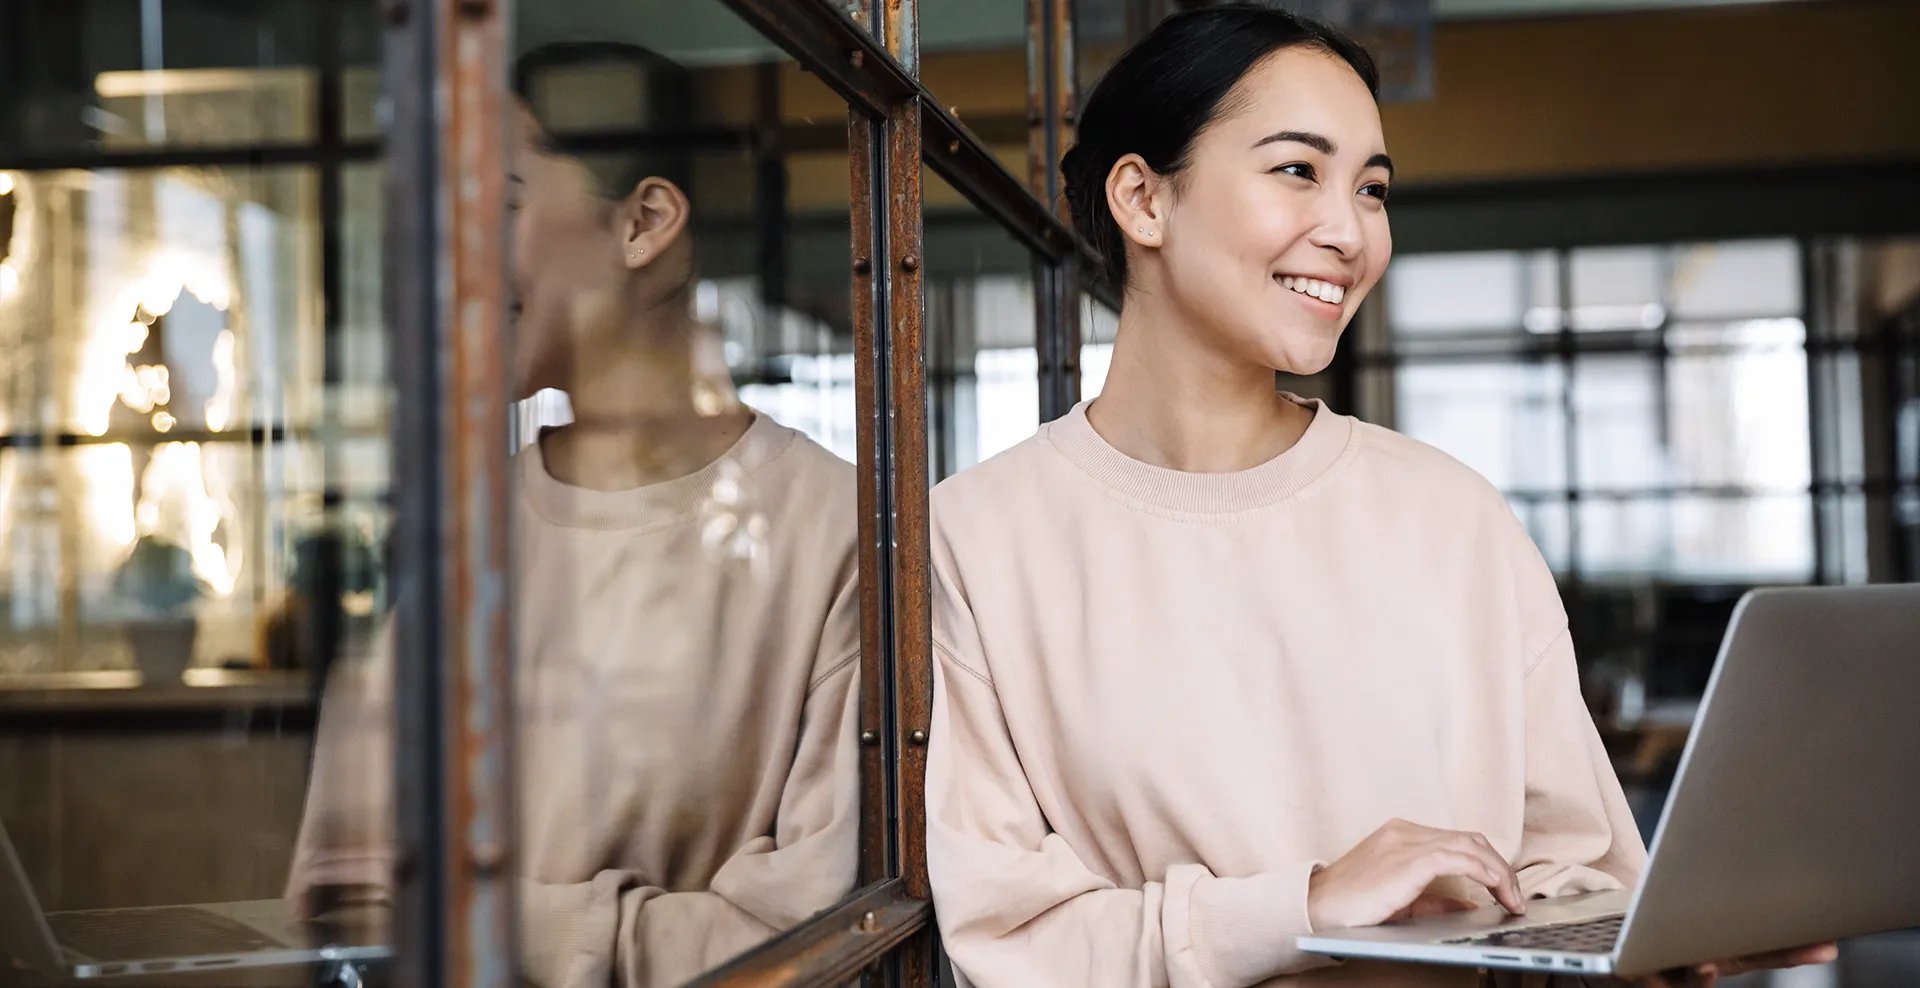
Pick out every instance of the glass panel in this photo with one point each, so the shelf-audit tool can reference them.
(1505, 420)
(1492, 293)
(358, 23)
(983, 392)
(194, 477)
(1842, 418)
(1101, 29)
(1734, 419)
(98, 74)
(1738, 279)
(1844, 525)
(1619, 411)
(973, 57)
(1740, 419)
(1618, 288)
(1906, 430)
(1703, 539)
(686, 587)
(1905, 562)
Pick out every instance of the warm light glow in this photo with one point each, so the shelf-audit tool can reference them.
(107, 471)
(175, 505)
(6, 183)
(129, 83)
(9, 279)
(182, 499)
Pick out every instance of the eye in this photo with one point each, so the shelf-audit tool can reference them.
(1377, 190)
(1298, 169)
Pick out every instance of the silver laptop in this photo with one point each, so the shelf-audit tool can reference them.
(1795, 817)
(44, 948)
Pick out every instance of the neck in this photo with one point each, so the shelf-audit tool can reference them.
(652, 401)
(1172, 401)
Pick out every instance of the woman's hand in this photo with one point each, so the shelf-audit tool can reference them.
(1385, 877)
(1707, 974)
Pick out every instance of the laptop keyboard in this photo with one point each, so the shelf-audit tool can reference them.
(1592, 936)
(166, 931)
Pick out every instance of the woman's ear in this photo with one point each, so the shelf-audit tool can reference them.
(1135, 197)
(650, 220)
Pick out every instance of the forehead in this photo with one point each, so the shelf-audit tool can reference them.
(1303, 89)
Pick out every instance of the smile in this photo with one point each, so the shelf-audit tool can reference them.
(1333, 294)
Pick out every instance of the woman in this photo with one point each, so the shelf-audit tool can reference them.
(1216, 667)
(686, 624)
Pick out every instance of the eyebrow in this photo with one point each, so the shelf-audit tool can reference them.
(1320, 143)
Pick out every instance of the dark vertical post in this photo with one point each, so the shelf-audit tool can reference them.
(904, 359)
(455, 923)
(1050, 116)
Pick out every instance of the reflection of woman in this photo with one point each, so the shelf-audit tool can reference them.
(685, 601)
(1218, 666)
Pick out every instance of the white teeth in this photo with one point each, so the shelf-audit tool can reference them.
(1321, 290)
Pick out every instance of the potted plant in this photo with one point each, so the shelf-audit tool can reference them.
(157, 583)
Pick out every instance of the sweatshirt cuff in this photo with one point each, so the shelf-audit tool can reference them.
(556, 933)
(1244, 929)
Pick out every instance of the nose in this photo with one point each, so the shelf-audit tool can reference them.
(1338, 228)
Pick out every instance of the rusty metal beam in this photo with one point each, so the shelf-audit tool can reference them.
(831, 948)
(481, 931)
(960, 158)
(832, 46)
(455, 922)
(866, 144)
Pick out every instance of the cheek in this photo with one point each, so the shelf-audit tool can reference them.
(1379, 250)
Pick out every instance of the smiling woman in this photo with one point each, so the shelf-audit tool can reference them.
(1301, 653)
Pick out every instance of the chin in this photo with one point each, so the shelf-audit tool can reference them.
(1302, 361)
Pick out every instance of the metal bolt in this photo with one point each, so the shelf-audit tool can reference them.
(862, 265)
(869, 923)
(857, 58)
(911, 262)
(489, 858)
(870, 739)
(917, 738)
(1071, 117)
(953, 147)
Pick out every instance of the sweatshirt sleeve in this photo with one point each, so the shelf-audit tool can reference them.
(1015, 904)
(1579, 835)
(617, 929)
(343, 854)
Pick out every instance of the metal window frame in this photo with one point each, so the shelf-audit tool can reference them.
(1566, 347)
(454, 921)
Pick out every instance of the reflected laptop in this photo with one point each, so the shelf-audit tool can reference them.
(41, 948)
(1791, 821)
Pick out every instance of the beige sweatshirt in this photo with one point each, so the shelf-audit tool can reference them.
(1162, 698)
(688, 768)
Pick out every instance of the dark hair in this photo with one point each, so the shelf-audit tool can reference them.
(657, 149)
(1164, 91)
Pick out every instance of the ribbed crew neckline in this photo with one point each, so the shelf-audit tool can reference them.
(1319, 448)
(653, 505)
